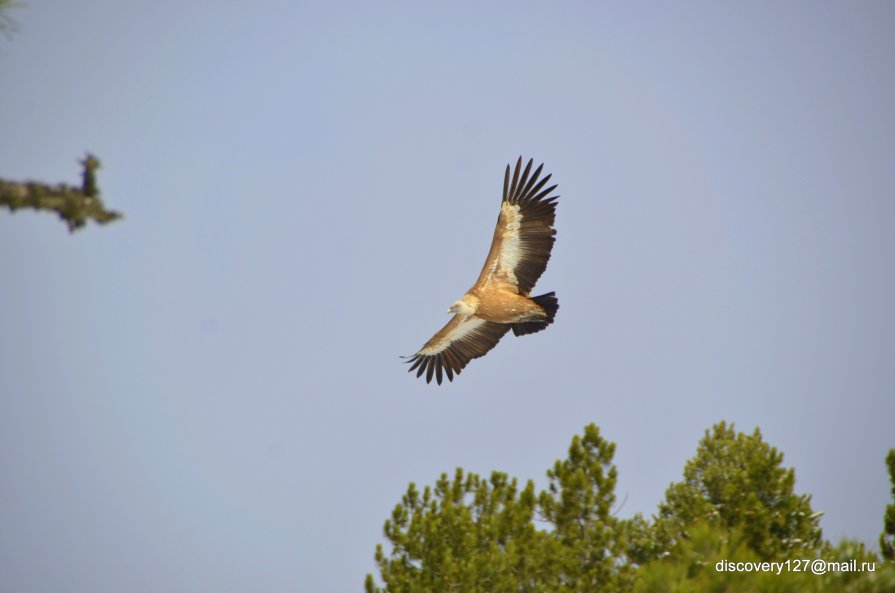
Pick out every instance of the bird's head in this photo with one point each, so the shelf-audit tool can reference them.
(461, 307)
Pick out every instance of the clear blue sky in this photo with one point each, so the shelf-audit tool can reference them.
(207, 396)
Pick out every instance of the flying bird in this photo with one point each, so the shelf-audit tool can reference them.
(499, 300)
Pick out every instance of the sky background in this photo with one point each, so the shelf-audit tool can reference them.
(207, 395)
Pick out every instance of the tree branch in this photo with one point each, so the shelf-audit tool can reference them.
(73, 204)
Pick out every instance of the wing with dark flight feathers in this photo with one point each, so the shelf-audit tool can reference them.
(458, 342)
(524, 235)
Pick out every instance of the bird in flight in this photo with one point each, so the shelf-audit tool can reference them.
(499, 300)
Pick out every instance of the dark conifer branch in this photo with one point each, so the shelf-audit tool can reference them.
(73, 204)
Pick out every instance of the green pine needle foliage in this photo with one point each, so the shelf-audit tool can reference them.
(887, 538)
(736, 502)
(737, 481)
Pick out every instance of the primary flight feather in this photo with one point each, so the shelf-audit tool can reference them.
(499, 300)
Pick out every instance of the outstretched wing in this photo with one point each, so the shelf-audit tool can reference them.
(458, 342)
(524, 235)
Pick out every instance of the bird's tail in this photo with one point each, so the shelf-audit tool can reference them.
(550, 304)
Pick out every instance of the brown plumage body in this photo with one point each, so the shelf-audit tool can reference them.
(501, 299)
(503, 304)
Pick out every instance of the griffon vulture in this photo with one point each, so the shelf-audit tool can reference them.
(499, 300)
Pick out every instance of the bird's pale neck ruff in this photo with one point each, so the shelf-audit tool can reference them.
(468, 305)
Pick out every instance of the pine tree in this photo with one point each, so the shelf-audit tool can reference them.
(587, 541)
(699, 566)
(887, 537)
(736, 503)
(465, 534)
(736, 481)
(474, 535)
